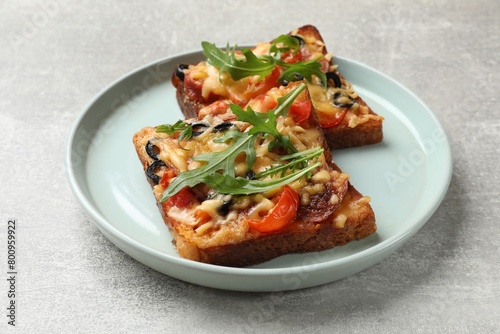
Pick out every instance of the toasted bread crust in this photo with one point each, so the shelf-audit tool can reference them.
(308, 30)
(342, 136)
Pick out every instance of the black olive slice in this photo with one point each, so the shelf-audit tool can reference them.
(226, 203)
(301, 40)
(199, 128)
(250, 174)
(179, 72)
(152, 150)
(334, 78)
(223, 126)
(226, 199)
(342, 100)
(150, 171)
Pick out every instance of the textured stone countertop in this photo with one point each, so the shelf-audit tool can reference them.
(56, 55)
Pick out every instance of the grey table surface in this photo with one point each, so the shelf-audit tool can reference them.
(56, 55)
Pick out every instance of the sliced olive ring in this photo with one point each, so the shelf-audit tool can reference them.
(302, 42)
(226, 199)
(179, 72)
(150, 171)
(250, 174)
(151, 151)
(226, 203)
(199, 128)
(342, 100)
(223, 126)
(334, 78)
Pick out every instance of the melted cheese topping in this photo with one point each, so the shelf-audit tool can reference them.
(221, 84)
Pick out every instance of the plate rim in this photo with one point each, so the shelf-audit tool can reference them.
(106, 228)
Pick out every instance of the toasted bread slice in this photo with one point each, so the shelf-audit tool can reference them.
(235, 230)
(346, 119)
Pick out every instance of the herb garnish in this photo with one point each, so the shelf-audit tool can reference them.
(239, 69)
(284, 43)
(218, 172)
(250, 64)
(170, 129)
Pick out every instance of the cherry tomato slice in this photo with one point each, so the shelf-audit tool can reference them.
(328, 121)
(281, 215)
(300, 111)
(263, 85)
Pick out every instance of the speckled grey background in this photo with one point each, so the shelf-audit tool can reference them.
(56, 55)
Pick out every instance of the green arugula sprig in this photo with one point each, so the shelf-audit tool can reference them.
(239, 69)
(284, 43)
(218, 172)
(296, 161)
(216, 162)
(170, 129)
(265, 122)
(226, 184)
(303, 69)
(250, 64)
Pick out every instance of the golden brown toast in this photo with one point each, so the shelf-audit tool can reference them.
(229, 230)
(346, 119)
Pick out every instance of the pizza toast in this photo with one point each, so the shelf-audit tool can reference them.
(211, 206)
(346, 119)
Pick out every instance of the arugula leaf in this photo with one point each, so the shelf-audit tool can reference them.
(298, 160)
(238, 69)
(185, 128)
(222, 161)
(263, 65)
(289, 42)
(265, 122)
(226, 184)
(304, 69)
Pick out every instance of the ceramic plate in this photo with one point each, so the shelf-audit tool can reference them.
(406, 176)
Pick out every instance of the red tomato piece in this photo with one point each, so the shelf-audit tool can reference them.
(263, 85)
(167, 175)
(183, 199)
(281, 215)
(300, 111)
(328, 121)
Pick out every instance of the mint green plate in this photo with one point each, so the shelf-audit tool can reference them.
(407, 176)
